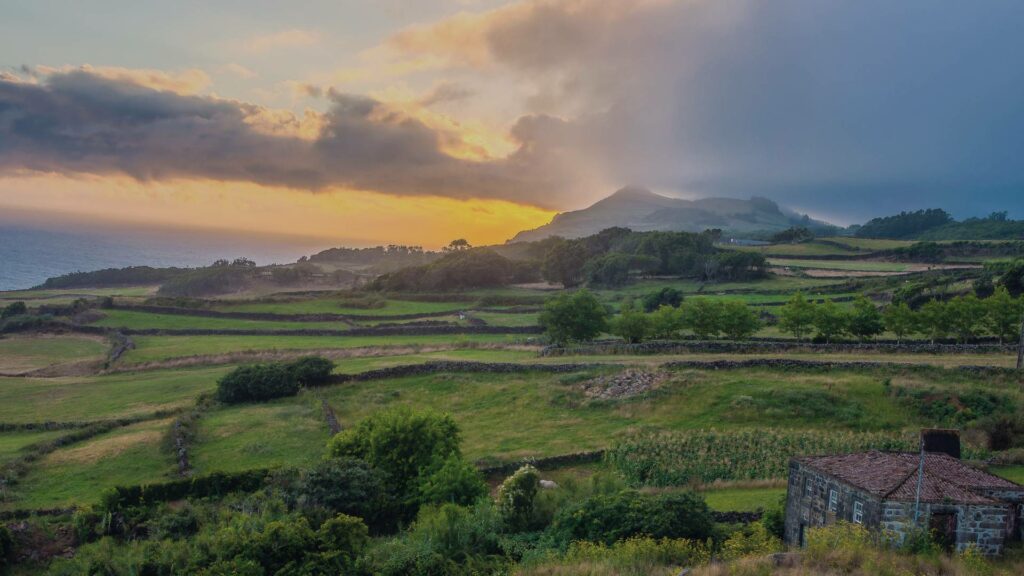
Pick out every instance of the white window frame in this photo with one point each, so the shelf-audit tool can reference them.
(858, 512)
(809, 486)
(833, 500)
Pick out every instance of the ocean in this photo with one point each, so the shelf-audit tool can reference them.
(28, 256)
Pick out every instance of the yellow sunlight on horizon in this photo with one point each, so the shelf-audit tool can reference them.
(349, 216)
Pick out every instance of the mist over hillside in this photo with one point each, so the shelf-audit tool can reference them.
(641, 210)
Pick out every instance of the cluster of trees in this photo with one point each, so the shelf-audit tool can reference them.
(130, 276)
(612, 256)
(905, 224)
(963, 318)
(261, 382)
(460, 269)
(579, 317)
(793, 235)
(936, 224)
(399, 474)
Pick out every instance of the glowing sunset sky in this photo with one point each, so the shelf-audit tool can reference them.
(388, 121)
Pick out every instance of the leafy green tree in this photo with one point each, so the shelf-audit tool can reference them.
(935, 320)
(454, 481)
(311, 370)
(631, 325)
(608, 270)
(797, 316)
(576, 317)
(342, 486)
(703, 316)
(830, 320)
(564, 263)
(900, 320)
(666, 322)
(667, 296)
(404, 445)
(517, 498)
(257, 383)
(615, 517)
(344, 538)
(865, 321)
(967, 315)
(737, 320)
(1003, 315)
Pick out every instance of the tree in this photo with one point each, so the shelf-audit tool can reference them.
(564, 263)
(1003, 315)
(454, 481)
(966, 315)
(667, 296)
(14, 309)
(631, 325)
(703, 317)
(616, 517)
(737, 320)
(900, 320)
(576, 317)
(797, 316)
(457, 245)
(403, 444)
(830, 320)
(344, 538)
(666, 322)
(257, 383)
(935, 320)
(311, 370)
(865, 321)
(341, 486)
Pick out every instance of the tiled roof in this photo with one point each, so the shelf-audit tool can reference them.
(893, 476)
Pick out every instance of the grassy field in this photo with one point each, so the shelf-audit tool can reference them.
(334, 306)
(743, 499)
(844, 265)
(1012, 473)
(19, 354)
(133, 291)
(157, 348)
(499, 319)
(101, 397)
(78, 474)
(144, 320)
(288, 432)
(513, 416)
(773, 286)
(12, 443)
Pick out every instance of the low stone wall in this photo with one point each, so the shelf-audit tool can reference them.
(382, 331)
(755, 346)
(456, 366)
(320, 317)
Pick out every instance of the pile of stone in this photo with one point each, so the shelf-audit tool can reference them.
(625, 384)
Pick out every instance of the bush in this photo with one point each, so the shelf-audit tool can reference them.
(609, 519)
(344, 537)
(311, 370)
(632, 326)
(257, 383)
(453, 481)
(517, 499)
(667, 296)
(342, 486)
(14, 309)
(404, 445)
(6, 545)
(752, 540)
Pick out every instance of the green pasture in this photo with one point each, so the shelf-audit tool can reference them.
(1011, 473)
(20, 354)
(73, 293)
(146, 320)
(102, 397)
(286, 432)
(335, 306)
(159, 348)
(500, 319)
(12, 443)
(743, 499)
(77, 474)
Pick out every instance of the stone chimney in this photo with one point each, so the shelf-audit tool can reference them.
(941, 441)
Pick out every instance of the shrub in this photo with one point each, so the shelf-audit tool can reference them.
(454, 481)
(667, 296)
(639, 555)
(14, 309)
(752, 540)
(403, 444)
(738, 321)
(342, 486)
(703, 317)
(632, 326)
(344, 536)
(517, 498)
(609, 519)
(311, 370)
(257, 383)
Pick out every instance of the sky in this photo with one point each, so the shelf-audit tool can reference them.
(382, 121)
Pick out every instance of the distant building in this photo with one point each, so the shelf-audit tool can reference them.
(959, 504)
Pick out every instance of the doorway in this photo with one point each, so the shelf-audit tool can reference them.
(942, 527)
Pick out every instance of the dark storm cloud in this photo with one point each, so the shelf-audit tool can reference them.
(80, 122)
(848, 107)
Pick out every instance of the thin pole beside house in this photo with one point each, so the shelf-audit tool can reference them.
(920, 479)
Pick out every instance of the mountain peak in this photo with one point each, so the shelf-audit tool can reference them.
(633, 192)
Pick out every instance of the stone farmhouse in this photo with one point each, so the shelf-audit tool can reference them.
(960, 505)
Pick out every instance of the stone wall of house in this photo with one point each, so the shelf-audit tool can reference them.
(810, 508)
(981, 526)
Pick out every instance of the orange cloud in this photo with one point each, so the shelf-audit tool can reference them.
(184, 82)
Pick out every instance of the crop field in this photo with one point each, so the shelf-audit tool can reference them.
(20, 354)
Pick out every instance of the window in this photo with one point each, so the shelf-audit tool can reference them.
(858, 513)
(809, 486)
(833, 500)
